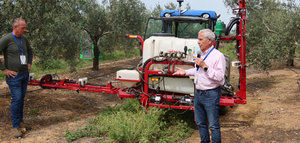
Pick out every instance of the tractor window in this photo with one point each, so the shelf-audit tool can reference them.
(190, 30)
(153, 26)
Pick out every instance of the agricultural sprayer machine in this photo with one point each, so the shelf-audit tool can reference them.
(170, 41)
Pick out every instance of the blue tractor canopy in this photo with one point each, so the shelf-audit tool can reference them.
(196, 13)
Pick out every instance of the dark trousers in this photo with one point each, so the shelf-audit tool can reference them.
(17, 87)
(206, 105)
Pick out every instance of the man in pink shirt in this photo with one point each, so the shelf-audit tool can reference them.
(209, 75)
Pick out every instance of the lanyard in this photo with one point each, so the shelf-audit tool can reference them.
(208, 53)
(206, 56)
(20, 47)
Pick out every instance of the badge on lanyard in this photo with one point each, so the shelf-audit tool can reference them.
(23, 59)
(22, 56)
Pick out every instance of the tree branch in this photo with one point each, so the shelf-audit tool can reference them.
(269, 30)
(102, 34)
(86, 30)
(105, 33)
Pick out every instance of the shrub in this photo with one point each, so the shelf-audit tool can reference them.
(121, 54)
(128, 122)
(51, 64)
(2, 76)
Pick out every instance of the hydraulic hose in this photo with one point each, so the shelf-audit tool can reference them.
(231, 24)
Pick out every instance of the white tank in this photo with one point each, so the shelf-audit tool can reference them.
(128, 78)
(170, 84)
(155, 44)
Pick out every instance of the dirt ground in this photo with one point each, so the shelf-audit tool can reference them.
(271, 114)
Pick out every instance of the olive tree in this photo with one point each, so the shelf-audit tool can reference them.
(273, 32)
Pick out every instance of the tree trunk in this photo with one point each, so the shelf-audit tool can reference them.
(96, 56)
(291, 57)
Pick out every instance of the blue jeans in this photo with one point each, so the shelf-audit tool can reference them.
(17, 87)
(206, 105)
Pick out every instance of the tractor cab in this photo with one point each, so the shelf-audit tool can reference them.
(183, 24)
(177, 31)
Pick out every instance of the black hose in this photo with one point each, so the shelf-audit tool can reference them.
(231, 24)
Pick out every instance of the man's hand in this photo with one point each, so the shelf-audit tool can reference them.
(179, 72)
(200, 62)
(9, 73)
(29, 67)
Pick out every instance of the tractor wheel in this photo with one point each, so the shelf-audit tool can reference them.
(46, 78)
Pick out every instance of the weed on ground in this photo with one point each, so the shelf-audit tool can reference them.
(128, 122)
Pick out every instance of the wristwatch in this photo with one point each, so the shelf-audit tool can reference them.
(205, 69)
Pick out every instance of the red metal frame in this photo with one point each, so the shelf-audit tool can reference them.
(143, 91)
(241, 38)
(137, 37)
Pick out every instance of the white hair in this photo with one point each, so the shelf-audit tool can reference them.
(208, 34)
(16, 21)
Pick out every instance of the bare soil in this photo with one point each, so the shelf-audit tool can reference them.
(271, 114)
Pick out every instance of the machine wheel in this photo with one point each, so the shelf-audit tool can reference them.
(228, 66)
(46, 78)
(227, 88)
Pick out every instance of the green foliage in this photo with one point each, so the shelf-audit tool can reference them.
(76, 118)
(77, 134)
(156, 11)
(50, 64)
(2, 76)
(170, 6)
(51, 26)
(121, 54)
(50, 67)
(229, 49)
(273, 32)
(32, 111)
(128, 122)
(126, 17)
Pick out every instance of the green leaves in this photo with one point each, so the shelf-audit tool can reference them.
(129, 123)
(272, 28)
(52, 25)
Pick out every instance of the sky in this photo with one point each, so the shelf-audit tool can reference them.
(214, 5)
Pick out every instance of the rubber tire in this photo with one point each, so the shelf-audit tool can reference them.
(227, 71)
(226, 76)
(44, 79)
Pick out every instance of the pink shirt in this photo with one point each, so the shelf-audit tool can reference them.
(214, 76)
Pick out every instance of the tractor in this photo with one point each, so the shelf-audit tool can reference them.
(170, 41)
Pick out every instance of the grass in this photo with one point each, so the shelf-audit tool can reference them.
(76, 119)
(128, 122)
(32, 111)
